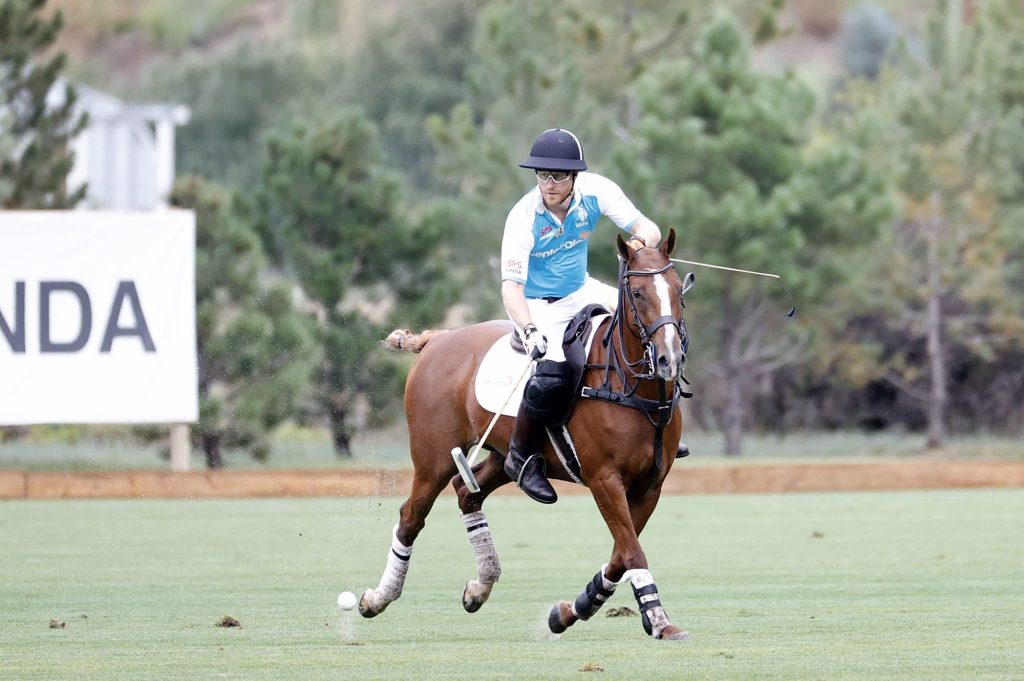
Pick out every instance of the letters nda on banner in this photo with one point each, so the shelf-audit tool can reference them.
(97, 317)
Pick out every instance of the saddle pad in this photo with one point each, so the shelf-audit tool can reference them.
(496, 375)
(501, 367)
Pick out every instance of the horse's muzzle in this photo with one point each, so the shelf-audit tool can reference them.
(670, 366)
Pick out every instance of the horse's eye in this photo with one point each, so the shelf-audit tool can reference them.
(636, 293)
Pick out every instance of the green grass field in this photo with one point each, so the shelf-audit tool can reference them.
(914, 585)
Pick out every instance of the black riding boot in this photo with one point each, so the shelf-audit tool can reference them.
(682, 451)
(524, 463)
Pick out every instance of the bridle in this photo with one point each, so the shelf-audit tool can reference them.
(645, 333)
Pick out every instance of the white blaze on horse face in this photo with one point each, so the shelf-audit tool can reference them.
(672, 340)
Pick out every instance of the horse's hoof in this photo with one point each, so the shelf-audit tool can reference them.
(364, 606)
(671, 633)
(561, 617)
(470, 603)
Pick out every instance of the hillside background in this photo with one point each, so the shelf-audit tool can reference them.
(864, 150)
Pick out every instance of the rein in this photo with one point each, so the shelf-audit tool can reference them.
(640, 370)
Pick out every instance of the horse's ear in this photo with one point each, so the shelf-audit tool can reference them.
(669, 244)
(623, 248)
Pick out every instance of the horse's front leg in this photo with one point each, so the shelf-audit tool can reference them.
(628, 563)
(490, 476)
(656, 622)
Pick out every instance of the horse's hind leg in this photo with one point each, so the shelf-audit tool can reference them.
(490, 476)
(426, 485)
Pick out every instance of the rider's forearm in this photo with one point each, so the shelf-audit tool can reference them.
(514, 298)
(646, 230)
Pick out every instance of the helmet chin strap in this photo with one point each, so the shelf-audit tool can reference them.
(572, 189)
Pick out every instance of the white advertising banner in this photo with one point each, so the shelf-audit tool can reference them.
(97, 317)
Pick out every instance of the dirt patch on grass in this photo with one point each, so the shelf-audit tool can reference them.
(683, 479)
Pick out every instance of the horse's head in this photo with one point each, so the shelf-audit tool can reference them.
(651, 305)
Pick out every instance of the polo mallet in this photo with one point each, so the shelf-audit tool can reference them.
(466, 466)
(792, 310)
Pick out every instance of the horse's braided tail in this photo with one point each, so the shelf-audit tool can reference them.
(403, 339)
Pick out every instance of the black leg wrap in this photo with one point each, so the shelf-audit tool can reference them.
(592, 598)
(647, 599)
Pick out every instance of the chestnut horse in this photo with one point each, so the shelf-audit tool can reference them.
(625, 437)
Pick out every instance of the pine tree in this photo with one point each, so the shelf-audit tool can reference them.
(257, 354)
(725, 155)
(332, 216)
(35, 165)
(942, 127)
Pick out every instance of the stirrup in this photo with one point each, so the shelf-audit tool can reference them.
(537, 486)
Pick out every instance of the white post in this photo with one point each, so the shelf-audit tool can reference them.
(181, 448)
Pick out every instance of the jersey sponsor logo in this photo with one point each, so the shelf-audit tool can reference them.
(549, 232)
(513, 266)
(568, 245)
(582, 217)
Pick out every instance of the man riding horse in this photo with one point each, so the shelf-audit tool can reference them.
(545, 282)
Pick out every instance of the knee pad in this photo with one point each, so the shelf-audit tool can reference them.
(548, 394)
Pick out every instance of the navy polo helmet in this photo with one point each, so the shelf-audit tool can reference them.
(556, 149)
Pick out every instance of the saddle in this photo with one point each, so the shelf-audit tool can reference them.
(575, 343)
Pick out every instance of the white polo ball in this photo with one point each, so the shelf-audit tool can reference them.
(347, 600)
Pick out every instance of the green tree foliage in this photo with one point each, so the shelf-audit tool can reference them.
(388, 79)
(36, 156)
(332, 215)
(235, 98)
(725, 155)
(257, 354)
(944, 273)
(7, 147)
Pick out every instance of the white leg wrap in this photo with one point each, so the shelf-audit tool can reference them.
(607, 583)
(393, 579)
(488, 567)
(646, 592)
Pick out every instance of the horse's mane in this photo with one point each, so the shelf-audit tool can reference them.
(404, 339)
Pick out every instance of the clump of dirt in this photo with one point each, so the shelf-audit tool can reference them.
(591, 667)
(621, 612)
(228, 621)
(57, 624)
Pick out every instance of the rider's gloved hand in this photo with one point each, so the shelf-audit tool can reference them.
(536, 344)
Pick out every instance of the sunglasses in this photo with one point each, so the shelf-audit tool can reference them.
(556, 176)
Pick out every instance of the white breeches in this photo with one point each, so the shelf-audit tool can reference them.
(552, 318)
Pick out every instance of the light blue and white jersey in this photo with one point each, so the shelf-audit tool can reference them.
(550, 256)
